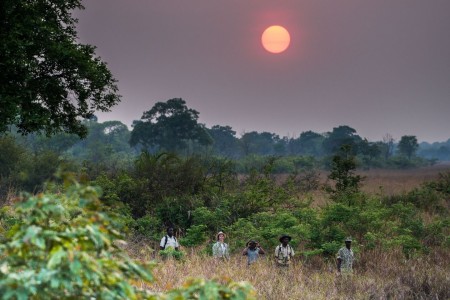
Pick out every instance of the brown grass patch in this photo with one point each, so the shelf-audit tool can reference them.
(378, 275)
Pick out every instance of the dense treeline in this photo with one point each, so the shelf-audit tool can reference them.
(199, 196)
(171, 127)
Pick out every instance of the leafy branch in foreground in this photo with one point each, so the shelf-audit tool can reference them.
(66, 247)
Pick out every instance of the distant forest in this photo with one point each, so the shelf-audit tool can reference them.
(26, 161)
(173, 127)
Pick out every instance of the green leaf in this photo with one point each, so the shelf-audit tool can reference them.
(56, 255)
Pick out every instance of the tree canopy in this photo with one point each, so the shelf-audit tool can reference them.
(169, 126)
(48, 81)
(408, 145)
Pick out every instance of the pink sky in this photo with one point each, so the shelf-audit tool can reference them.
(378, 66)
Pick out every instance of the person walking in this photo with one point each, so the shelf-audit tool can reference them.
(284, 252)
(252, 251)
(220, 248)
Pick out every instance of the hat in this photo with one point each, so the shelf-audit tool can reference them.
(348, 239)
(285, 236)
(220, 232)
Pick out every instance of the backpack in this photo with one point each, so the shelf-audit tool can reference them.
(165, 241)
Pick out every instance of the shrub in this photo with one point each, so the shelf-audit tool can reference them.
(170, 252)
(203, 289)
(50, 255)
(196, 235)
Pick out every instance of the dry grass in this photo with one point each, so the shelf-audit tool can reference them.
(378, 275)
(385, 182)
(400, 181)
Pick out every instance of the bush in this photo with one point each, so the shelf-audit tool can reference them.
(50, 255)
(203, 289)
(195, 236)
(170, 252)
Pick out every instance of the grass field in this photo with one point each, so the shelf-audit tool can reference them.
(378, 275)
(386, 182)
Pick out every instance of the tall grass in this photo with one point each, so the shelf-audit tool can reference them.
(379, 274)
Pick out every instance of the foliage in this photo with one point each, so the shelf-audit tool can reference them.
(67, 247)
(54, 254)
(170, 126)
(408, 145)
(340, 136)
(342, 172)
(148, 226)
(195, 235)
(308, 143)
(225, 143)
(170, 252)
(49, 81)
(204, 289)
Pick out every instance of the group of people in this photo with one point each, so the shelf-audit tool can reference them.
(283, 252)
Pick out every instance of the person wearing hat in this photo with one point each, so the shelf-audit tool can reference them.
(345, 258)
(220, 248)
(284, 252)
(252, 251)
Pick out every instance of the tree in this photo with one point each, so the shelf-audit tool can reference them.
(170, 126)
(342, 135)
(308, 143)
(388, 142)
(369, 151)
(48, 81)
(225, 141)
(343, 173)
(408, 145)
(259, 143)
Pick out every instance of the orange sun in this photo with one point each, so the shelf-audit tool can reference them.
(275, 39)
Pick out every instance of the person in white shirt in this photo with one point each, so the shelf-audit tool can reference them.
(169, 240)
(284, 252)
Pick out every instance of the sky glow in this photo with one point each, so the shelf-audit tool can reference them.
(378, 66)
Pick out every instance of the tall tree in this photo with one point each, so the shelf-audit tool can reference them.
(170, 126)
(369, 151)
(259, 143)
(342, 135)
(347, 183)
(389, 146)
(308, 143)
(408, 145)
(225, 142)
(48, 81)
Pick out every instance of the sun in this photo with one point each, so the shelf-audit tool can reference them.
(275, 39)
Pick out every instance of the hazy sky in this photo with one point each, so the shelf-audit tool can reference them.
(378, 66)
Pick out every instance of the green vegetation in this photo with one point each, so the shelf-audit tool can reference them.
(66, 246)
(64, 240)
